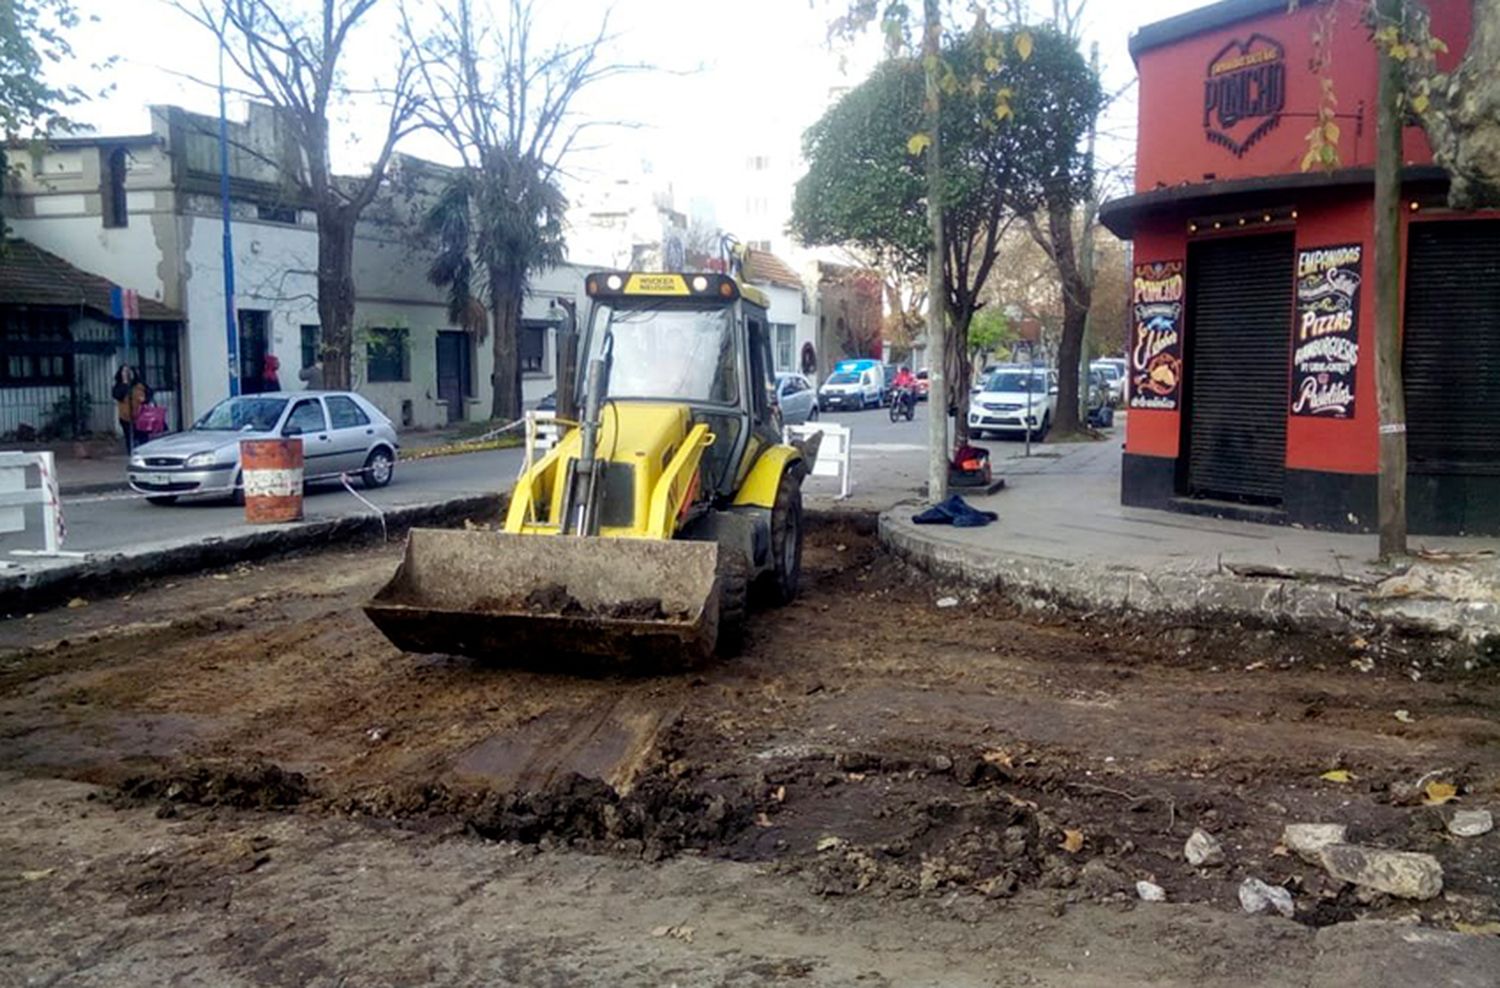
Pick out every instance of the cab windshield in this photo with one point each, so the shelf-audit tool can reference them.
(670, 353)
(1012, 381)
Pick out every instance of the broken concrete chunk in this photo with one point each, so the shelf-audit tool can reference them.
(1470, 823)
(1307, 840)
(1203, 850)
(1256, 896)
(1404, 874)
(1150, 892)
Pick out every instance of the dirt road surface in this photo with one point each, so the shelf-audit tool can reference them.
(234, 779)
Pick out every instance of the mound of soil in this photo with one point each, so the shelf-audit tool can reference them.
(252, 787)
(659, 817)
(555, 599)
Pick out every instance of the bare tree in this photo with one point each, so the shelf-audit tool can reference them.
(504, 100)
(294, 63)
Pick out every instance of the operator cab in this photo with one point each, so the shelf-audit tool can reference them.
(699, 340)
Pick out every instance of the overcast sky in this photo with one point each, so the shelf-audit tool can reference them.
(736, 75)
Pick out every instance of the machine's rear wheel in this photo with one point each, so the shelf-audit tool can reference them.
(785, 577)
(734, 598)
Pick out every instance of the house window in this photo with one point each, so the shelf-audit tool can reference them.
(277, 214)
(533, 347)
(112, 188)
(785, 336)
(310, 345)
(155, 356)
(386, 356)
(37, 348)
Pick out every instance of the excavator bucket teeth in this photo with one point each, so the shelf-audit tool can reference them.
(540, 600)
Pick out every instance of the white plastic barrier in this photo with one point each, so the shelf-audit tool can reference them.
(16, 497)
(834, 454)
(542, 432)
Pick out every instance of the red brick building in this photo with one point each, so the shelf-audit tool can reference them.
(1252, 353)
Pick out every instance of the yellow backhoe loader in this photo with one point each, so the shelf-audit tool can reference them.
(642, 534)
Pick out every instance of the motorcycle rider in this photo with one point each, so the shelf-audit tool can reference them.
(904, 387)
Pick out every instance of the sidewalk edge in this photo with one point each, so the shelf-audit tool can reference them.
(1312, 605)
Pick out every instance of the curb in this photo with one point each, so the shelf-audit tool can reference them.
(77, 490)
(106, 575)
(1302, 604)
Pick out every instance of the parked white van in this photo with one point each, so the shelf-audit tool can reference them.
(854, 384)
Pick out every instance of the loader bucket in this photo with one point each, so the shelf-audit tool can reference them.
(541, 600)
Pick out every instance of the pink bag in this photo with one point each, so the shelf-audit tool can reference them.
(151, 419)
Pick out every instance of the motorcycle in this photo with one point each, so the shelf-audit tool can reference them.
(903, 402)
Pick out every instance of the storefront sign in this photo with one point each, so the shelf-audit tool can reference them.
(1156, 344)
(1244, 93)
(1325, 347)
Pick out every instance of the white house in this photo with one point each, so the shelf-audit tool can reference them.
(793, 326)
(143, 211)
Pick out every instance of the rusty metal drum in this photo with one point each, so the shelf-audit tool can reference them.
(272, 470)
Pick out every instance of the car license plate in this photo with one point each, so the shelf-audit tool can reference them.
(156, 479)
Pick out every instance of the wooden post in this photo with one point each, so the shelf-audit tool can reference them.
(1389, 390)
(937, 289)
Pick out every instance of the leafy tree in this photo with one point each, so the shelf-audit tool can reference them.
(503, 100)
(989, 330)
(1458, 109)
(1010, 130)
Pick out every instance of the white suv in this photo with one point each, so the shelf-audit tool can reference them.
(1014, 400)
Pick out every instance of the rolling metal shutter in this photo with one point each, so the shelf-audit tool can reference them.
(1239, 340)
(1452, 347)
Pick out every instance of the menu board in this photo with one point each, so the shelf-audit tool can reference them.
(1156, 342)
(1325, 343)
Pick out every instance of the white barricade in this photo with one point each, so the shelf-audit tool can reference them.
(16, 497)
(542, 432)
(834, 454)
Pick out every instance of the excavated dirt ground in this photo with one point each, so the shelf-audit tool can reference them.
(874, 761)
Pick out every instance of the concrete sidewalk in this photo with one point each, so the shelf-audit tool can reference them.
(1063, 536)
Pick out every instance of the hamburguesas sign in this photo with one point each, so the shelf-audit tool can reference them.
(1156, 342)
(1325, 347)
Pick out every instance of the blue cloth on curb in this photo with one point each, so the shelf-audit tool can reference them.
(956, 512)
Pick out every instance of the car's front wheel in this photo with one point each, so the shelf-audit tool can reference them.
(380, 467)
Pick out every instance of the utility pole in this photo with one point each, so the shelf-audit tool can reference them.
(1389, 390)
(1086, 251)
(937, 289)
(231, 326)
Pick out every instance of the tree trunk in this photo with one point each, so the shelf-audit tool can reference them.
(937, 289)
(506, 294)
(1389, 389)
(1076, 298)
(336, 296)
(961, 366)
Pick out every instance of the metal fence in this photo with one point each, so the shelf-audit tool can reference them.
(84, 406)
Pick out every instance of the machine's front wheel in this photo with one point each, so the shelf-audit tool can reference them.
(785, 577)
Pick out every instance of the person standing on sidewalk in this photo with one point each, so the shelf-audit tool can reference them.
(270, 375)
(129, 393)
(312, 376)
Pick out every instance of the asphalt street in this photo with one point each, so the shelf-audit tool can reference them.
(120, 522)
(889, 464)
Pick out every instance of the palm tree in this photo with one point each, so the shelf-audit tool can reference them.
(495, 226)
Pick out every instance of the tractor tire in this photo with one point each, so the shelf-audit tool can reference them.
(734, 599)
(781, 584)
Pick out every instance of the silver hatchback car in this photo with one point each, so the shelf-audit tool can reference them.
(342, 433)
